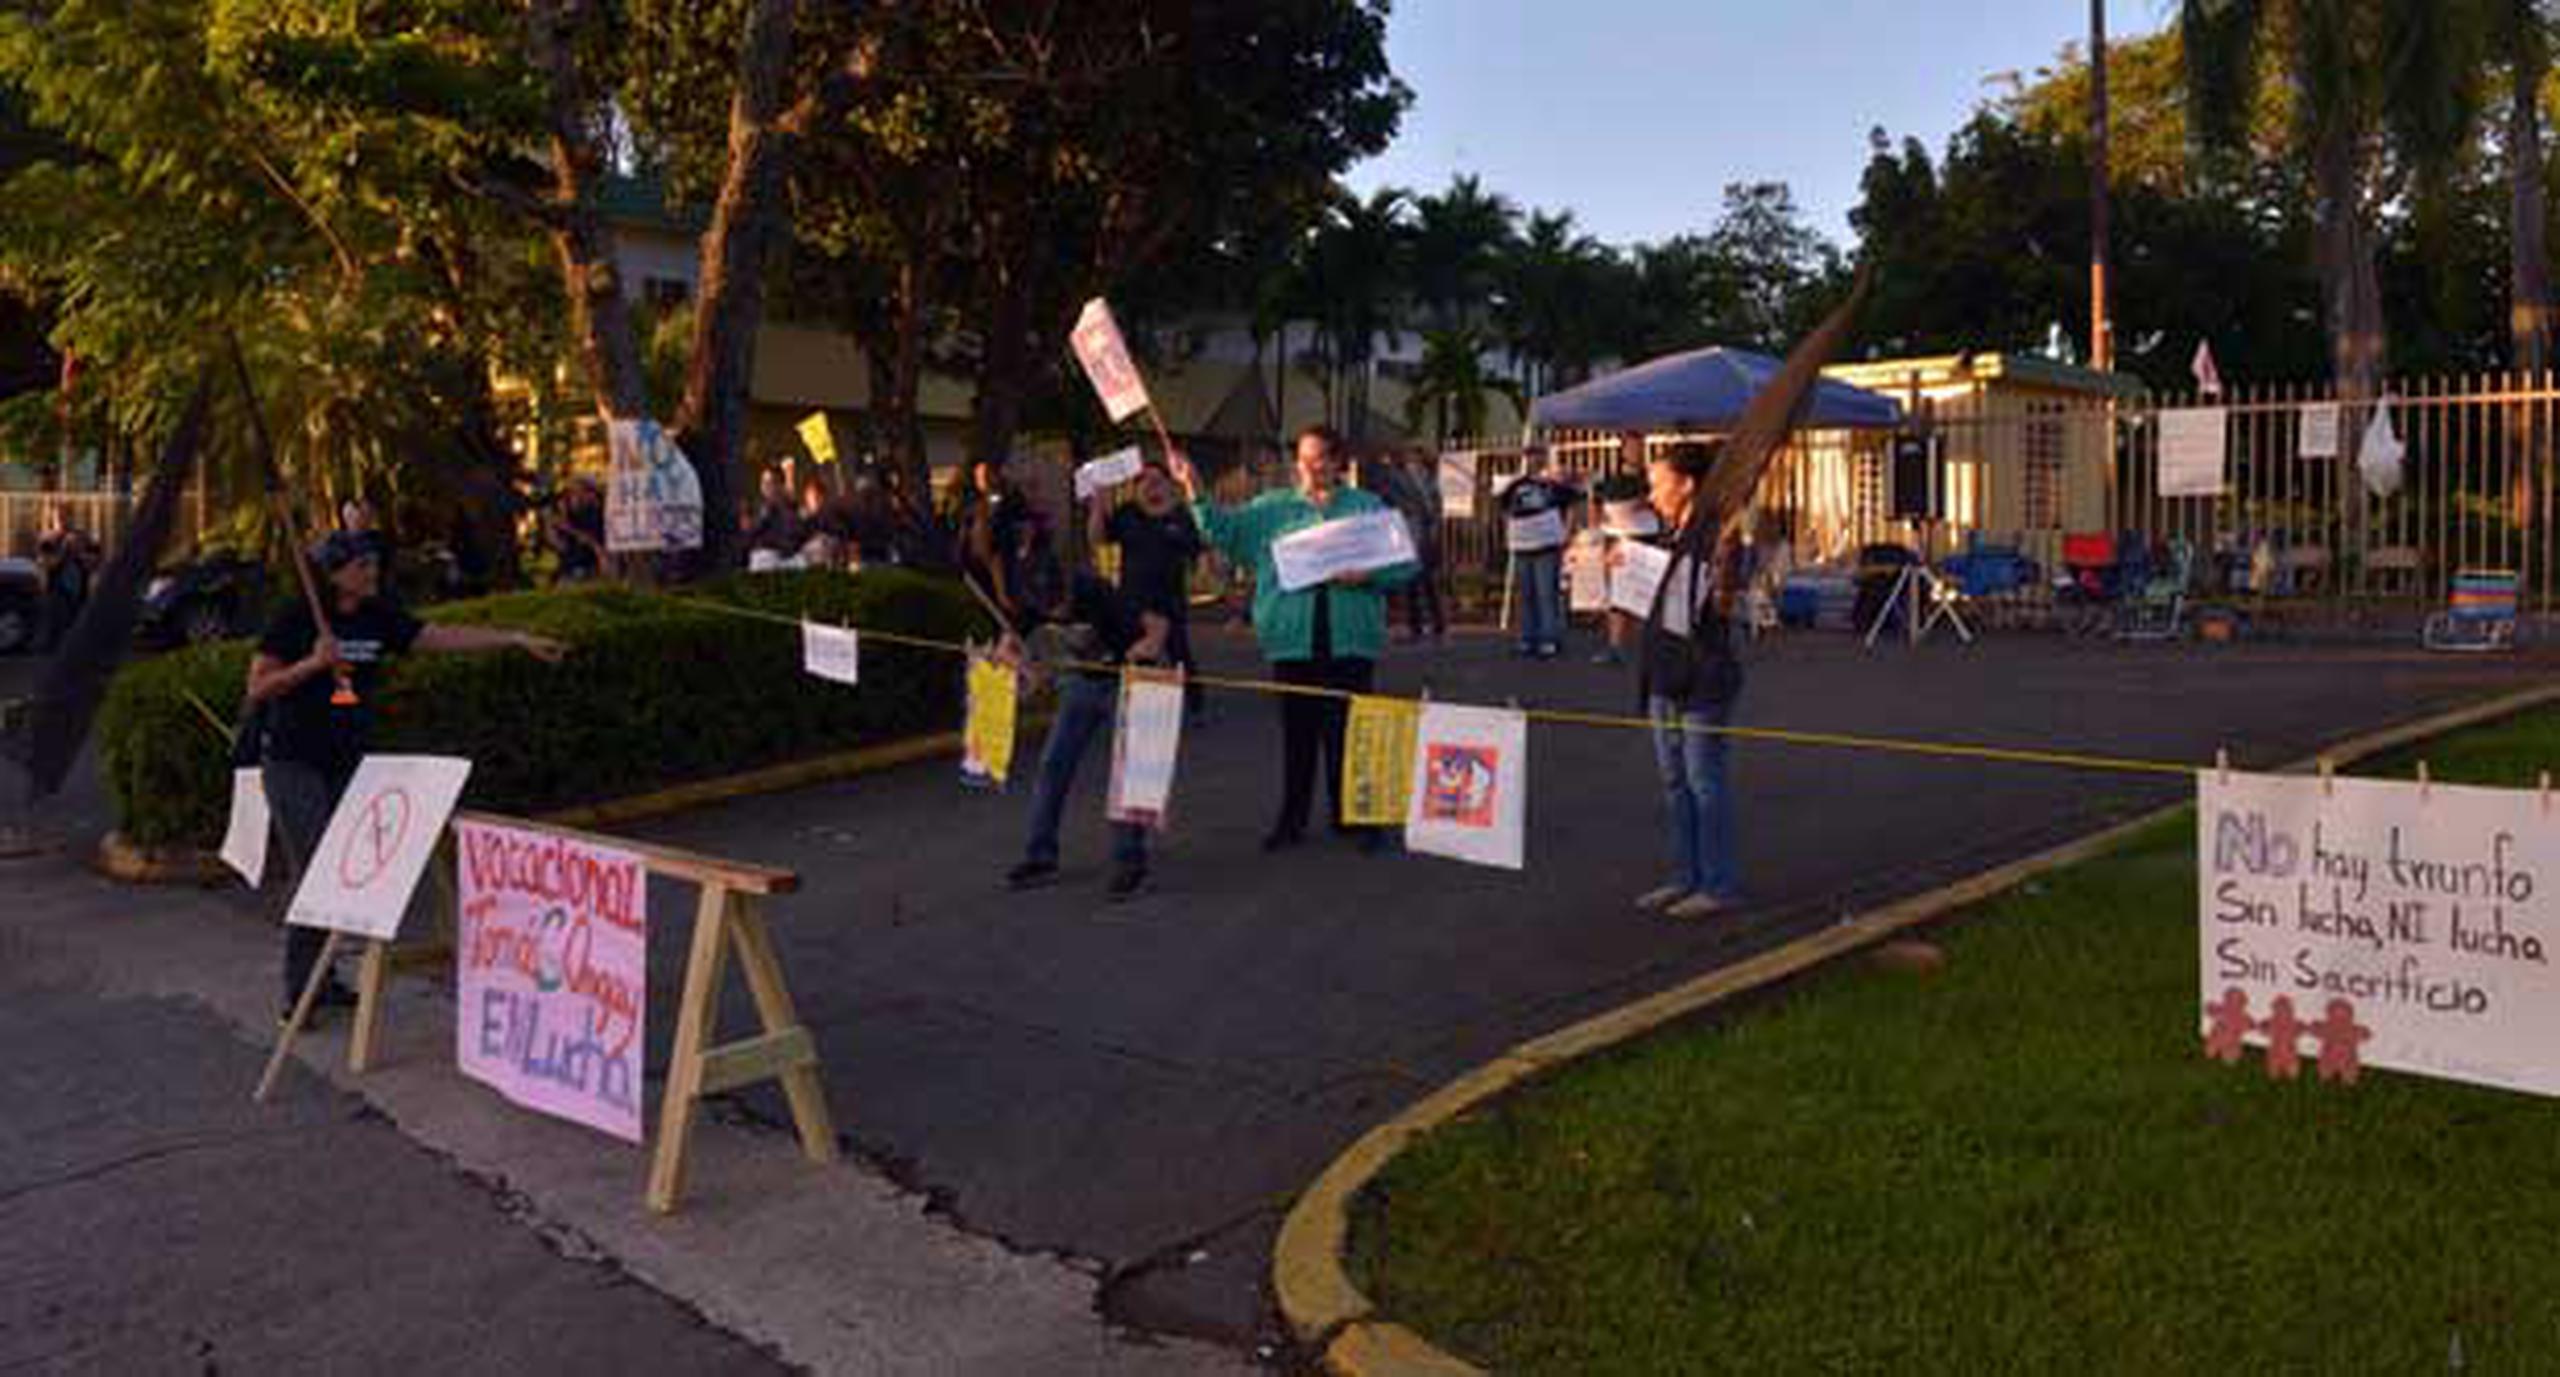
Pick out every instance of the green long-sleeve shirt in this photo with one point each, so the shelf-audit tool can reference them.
(1285, 622)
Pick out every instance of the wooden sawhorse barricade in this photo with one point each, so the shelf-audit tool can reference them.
(730, 914)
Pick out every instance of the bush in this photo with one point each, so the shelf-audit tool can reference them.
(658, 689)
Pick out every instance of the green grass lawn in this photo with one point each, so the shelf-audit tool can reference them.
(2022, 1163)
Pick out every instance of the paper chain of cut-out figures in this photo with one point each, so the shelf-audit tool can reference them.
(2339, 1034)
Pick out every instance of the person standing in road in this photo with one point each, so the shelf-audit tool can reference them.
(1691, 673)
(1158, 542)
(1536, 510)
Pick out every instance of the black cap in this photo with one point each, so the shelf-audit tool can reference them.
(339, 549)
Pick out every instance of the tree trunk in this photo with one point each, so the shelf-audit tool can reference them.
(711, 423)
(599, 316)
(2529, 275)
(906, 379)
(1002, 358)
(2353, 294)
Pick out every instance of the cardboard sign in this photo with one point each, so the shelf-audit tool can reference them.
(551, 974)
(831, 652)
(821, 440)
(1457, 471)
(986, 742)
(378, 844)
(1345, 545)
(653, 500)
(1145, 744)
(1108, 472)
(1470, 785)
(2191, 450)
(2355, 922)
(1377, 760)
(2318, 431)
(244, 841)
(1105, 356)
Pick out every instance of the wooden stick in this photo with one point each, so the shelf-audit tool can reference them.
(345, 692)
(301, 1011)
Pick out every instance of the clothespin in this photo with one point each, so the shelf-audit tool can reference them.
(2328, 777)
(2546, 793)
(2425, 782)
(2222, 765)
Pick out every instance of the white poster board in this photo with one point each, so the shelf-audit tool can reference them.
(244, 841)
(1108, 472)
(1345, 545)
(653, 499)
(831, 652)
(1637, 581)
(1533, 534)
(2191, 450)
(1105, 356)
(1145, 745)
(2356, 922)
(378, 844)
(1457, 473)
(1586, 573)
(2317, 431)
(1469, 800)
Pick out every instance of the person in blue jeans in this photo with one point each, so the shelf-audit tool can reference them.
(1104, 632)
(1537, 515)
(1690, 675)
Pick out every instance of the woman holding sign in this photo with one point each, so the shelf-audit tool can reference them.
(1324, 636)
(1690, 676)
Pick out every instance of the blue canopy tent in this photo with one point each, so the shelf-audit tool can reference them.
(1704, 389)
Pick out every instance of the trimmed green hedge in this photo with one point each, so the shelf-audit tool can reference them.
(654, 692)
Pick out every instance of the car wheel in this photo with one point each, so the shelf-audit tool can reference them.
(17, 628)
(204, 621)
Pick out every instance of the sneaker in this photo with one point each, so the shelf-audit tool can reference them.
(1696, 906)
(1031, 874)
(1550, 651)
(1282, 838)
(1127, 882)
(1608, 657)
(1657, 899)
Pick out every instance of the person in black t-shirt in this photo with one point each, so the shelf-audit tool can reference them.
(313, 688)
(1105, 628)
(1538, 510)
(1158, 541)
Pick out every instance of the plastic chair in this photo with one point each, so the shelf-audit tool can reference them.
(2479, 615)
(2157, 608)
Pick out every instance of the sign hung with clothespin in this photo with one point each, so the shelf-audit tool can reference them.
(1146, 743)
(1469, 796)
(2353, 923)
(986, 741)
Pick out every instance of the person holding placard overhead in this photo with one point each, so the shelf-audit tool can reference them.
(1325, 638)
(1690, 675)
(311, 689)
(1535, 508)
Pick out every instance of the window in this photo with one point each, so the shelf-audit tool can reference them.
(2043, 477)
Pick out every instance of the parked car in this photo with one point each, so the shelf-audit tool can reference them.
(205, 599)
(21, 605)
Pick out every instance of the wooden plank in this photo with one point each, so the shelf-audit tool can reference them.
(800, 1083)
(694, 1019)
(754, 1059)
(708, 871)
(371, 978)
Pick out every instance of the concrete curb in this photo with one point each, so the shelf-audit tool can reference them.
(1309, 1272)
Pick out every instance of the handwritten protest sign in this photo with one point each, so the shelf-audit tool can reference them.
(1638, 579)
(1108, 472)
(1586, 573)
(2319, 431)
(831, 652)
(1457, 472)
(821, 440)
(1144, 746)
(1105, 356)
(653, 500)
(551, 974)
(1377, 760)
(244, 841)
(1345, 545)
(1470, 785)
(2358, 922)
(2191, 450)
(377, 844)
(986, 740)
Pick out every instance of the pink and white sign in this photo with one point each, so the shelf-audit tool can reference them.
(1106, 361)
(551, 974)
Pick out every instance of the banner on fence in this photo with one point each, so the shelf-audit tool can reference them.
(1145, 744)
(1377, 760)
(2192, 443)
(551, 973)
(1457, 470)
(1470, 785)
(244, 840)
(2355, 922)
(1345, 545)
(377, 844)
(1105, 356)
(831, 652)
(653, 499)
(986, 741)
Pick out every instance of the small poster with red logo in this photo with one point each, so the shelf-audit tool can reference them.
(1469, 800)
(1105, 356)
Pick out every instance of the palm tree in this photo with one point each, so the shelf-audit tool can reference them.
(1459, 239)
(1453, 382)
(1350, 280)
(1554, 299)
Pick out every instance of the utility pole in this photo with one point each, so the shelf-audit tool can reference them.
(2102, 344)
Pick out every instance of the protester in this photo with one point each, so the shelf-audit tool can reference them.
(575, 527)
(1690, 676)
(1536, 509)
(993, 525)
(1104, 628)
(356, 517)
(1158, 542)
(311, 735)
(1426, 607)
(67, 559)
(1325, 638)
(1623, 512)
(776, 530)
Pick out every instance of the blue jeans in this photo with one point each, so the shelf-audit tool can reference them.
(1697, 799)
(1086, 706)
(1541, 578)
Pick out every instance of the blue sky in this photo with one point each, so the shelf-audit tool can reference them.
(1635, 113)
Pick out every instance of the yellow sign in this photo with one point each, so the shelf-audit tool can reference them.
(986, 743)
(820, 440)
(1377, 761)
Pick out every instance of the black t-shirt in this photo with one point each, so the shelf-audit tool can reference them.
(1101, 625)
(1531, 497)
(303, 726)
(1155, 558)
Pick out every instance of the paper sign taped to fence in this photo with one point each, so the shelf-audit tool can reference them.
(2357, 922)
(1586, 574)
(1470, 785)
(1145, 743)
(1457, 470)
(377, 844)
(551, 974)
(1345, 545)
(1105, 356)
(2317, 431)
(2191, 450)
(831, 652)
(1108, 472)
(986, 741)
(244, 841)
(1377, 760)
(653, 499)
(820, 440)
